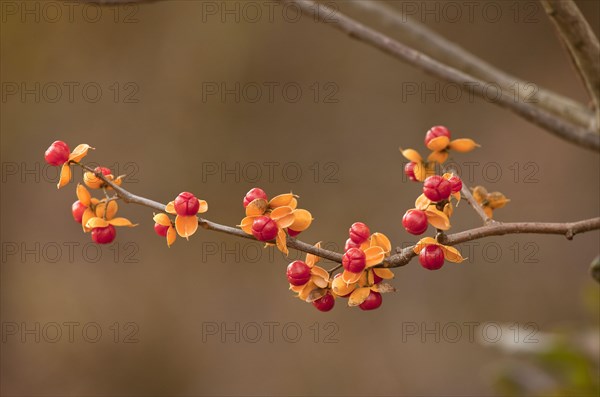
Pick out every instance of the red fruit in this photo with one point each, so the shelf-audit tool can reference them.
(436, 188)
(298, 273)
(186, 204)
(254, 194)
(372, 302)
(342, 296)
(359, 232)
(436, 131)
(293, 233)
(455, 183)
(161, 230)
(354, 260)
(104, 235)
(350, 244)
(264, 228)
(77, 209)
(431, 257)
(57, 153)
(325, 303)
(376, 279)
(415, 221)
(409, 171)
(103, 170)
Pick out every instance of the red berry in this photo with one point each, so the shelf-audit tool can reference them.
(415, 221)
(325, 303)
(161, 230)
(342, 296)
(186, 204)
(431, 257)
(359, 232)
(455, 183)
(264, 228)
(350, 244)
(435, 132)
(436, 188)
(104, 235)
(77, 209)
(57, 153)
(376, 279)
(409, 171)
(254, 194)
(372, 302)
(354, 260)
(298, 273)
(103, 170)
(293, 233)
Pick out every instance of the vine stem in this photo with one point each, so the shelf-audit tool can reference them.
(403, 256)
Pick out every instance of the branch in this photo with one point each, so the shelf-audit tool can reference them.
(466, 193)
(581, 43)
(400, 259)
(542, 118)
(499, 229)
(437, 46)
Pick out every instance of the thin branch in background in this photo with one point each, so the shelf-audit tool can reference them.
(581, 43)
(561, 128)
(418, 35)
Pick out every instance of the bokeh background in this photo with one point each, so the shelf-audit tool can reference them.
(142, 78)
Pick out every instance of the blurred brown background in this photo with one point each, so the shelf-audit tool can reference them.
(155, 120)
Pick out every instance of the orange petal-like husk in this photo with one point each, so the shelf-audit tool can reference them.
(79, 152)
(117, 181)
(386, 274)
(170, 208)
(282, 242)
(83, 195)
(358, 296)
(203, 207)
(425, 241)
(463, 145)
(448, 209)
(480, 194)
(112, 209)
(186, 225)
(312, 259)
(162, 219)
(488, 211)
(283, 200)
(308, 288)
(497, 200)
(316, 294)
(246, 224)
(256, 207)
(302, 220)
(422, 202)
(451, 254)
(437, 218)
(65, 175)
(411, 155)
(339, 287)
(420, 170)
(283, 216)
(297, 288)
(349, 277)
(171, 236)
(381, 240)
(438, 157)
(375, 255)
(319, 281)
(91, 180)
(96, 222)
(456, 197)
(121, 222)
(438, 144)
(87, 215)
(320, 272)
